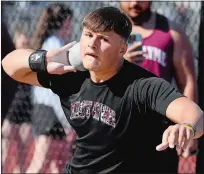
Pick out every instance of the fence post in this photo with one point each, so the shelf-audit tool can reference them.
(200, 157)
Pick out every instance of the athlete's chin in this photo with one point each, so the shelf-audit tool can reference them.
(92, 66)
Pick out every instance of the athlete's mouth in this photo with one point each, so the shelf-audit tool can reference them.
(91, 54)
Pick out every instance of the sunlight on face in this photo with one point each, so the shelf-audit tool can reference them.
(100, 51)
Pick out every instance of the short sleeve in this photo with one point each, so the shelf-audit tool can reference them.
(63, 85)
(155, 94)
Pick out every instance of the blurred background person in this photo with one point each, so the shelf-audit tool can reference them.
(54, 27)
(20, 38)
(16, 124)
(165, 51)
(53, 148)
(7, 46)
(6, 95)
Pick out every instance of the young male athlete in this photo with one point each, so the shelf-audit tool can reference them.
(106, 104)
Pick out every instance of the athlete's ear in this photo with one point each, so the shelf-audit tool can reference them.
(123, 48)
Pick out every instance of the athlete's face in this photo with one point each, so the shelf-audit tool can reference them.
(100, 51)
(134, 8)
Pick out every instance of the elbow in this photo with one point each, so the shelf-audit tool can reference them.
(6, 64)
(15, 64)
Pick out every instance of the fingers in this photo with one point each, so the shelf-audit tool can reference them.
(187, 139)
(179, 151)
(169, 139)
(162, 146)
(135, 57)
(166, 135)
(59, 68)
(68, 46)
(192, 149)
(181, 136)
(69, 69)
(134, 46)
(177, 135)
(173, 136)
(135, 53)
(165, 142)
(186, 153)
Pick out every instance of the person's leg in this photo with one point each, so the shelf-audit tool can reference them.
(54, 155)
(24, 133)
(61, 149)
(28, 151)
(42, 144)
(13, 145)
(67, 149)
(6, 130)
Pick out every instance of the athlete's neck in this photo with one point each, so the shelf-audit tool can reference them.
(99, 77)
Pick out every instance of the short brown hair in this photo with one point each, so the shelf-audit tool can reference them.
(108, 19)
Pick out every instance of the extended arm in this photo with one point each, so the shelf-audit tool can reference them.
(158, 95)
(190, 120)
(17, 67)
(183, 110)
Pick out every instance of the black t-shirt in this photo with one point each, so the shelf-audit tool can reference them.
(107, 117)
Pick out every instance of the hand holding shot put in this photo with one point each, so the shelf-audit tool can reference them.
(57, 60)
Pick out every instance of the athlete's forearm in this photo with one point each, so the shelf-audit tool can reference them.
(22, 65)
(16, 64)
(192, 114)
(182, 110)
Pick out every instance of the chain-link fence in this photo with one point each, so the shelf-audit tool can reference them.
(185, 14)
(19, 146)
